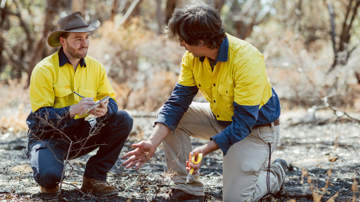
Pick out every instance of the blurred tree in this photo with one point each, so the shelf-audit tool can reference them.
(50, 13)
(169, 9)
(243, 15)
(114, 9)
(217, 4)
(23, 38)
(78, 5)
(303, 18)
(299, 16)
(4, 25)
(15, 52)
(132, 9)
(172, 4)
(341, 44)
(159, 16)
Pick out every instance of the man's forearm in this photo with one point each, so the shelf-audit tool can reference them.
(48, 115)
(210, 147)
(159, 133)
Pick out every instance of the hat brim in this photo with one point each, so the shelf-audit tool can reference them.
(53, 38)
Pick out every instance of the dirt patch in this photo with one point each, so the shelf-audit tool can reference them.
(324, 164)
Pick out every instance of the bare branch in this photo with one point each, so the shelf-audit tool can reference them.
(128, 12)
(333, 36)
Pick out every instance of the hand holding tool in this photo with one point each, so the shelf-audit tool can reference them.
(195, 159)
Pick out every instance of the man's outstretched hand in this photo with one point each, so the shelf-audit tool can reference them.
(143, 151)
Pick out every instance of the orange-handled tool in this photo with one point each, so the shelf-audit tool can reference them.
(196, 159)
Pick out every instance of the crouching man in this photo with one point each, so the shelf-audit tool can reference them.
(240, 117)
(63, 89)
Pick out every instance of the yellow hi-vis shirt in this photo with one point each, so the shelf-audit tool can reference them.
(52, 85)
(241, 79)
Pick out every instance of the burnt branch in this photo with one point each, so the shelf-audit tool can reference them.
(58, 129)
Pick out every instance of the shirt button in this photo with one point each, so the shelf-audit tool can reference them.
(214, 85)
(217, 116)
(199, 85)
(214, 101)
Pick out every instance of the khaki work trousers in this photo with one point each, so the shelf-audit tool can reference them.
(245, 164)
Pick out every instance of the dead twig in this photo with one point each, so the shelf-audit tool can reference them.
(58, 129)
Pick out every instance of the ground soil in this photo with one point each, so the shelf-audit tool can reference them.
(323, 155)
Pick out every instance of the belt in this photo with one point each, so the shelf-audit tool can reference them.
(275, 123)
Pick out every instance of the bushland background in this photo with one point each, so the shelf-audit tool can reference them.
(311, 50)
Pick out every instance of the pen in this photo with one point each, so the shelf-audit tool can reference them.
(78, 94)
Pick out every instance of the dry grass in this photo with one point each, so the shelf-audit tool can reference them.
(14, 107)
(299, 72)
(154, 93)
(142, 65)
(319, 192)
(116, 47)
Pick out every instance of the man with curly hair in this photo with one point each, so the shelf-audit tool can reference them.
(241, 116)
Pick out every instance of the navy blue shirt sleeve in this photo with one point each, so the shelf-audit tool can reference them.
(46, 118)
(174, 108)
(243, 120)
(112, 107)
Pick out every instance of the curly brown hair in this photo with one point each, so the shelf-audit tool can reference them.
(195, 23)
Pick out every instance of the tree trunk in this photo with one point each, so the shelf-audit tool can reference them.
(2, 59)
(114, 10)
(170, 7)
(51, 11)
(345, 36)
(245, 16)
(3, 16)
(132, 10)
(159, 16)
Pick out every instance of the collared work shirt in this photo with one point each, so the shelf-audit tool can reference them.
(53, 81)
(237, 88)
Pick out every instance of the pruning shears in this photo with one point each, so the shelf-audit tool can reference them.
(196, 159)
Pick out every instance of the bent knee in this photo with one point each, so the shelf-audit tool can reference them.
(48, 178)
(124, 121)
(250, 168)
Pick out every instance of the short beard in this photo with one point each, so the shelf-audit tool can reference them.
(73, 53)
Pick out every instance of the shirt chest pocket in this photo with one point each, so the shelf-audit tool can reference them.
(226, 93)
(226, 88)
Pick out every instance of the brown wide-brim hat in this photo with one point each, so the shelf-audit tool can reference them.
(71, 23)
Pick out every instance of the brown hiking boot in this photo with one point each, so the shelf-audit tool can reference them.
(47, 193)
(180, 195)
(98, 187)
(53, 190)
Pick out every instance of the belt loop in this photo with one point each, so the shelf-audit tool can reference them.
(272, 124)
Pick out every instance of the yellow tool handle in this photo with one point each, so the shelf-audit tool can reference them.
(195, 159)
(191, 171)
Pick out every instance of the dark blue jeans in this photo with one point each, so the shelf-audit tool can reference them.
(47, 155)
